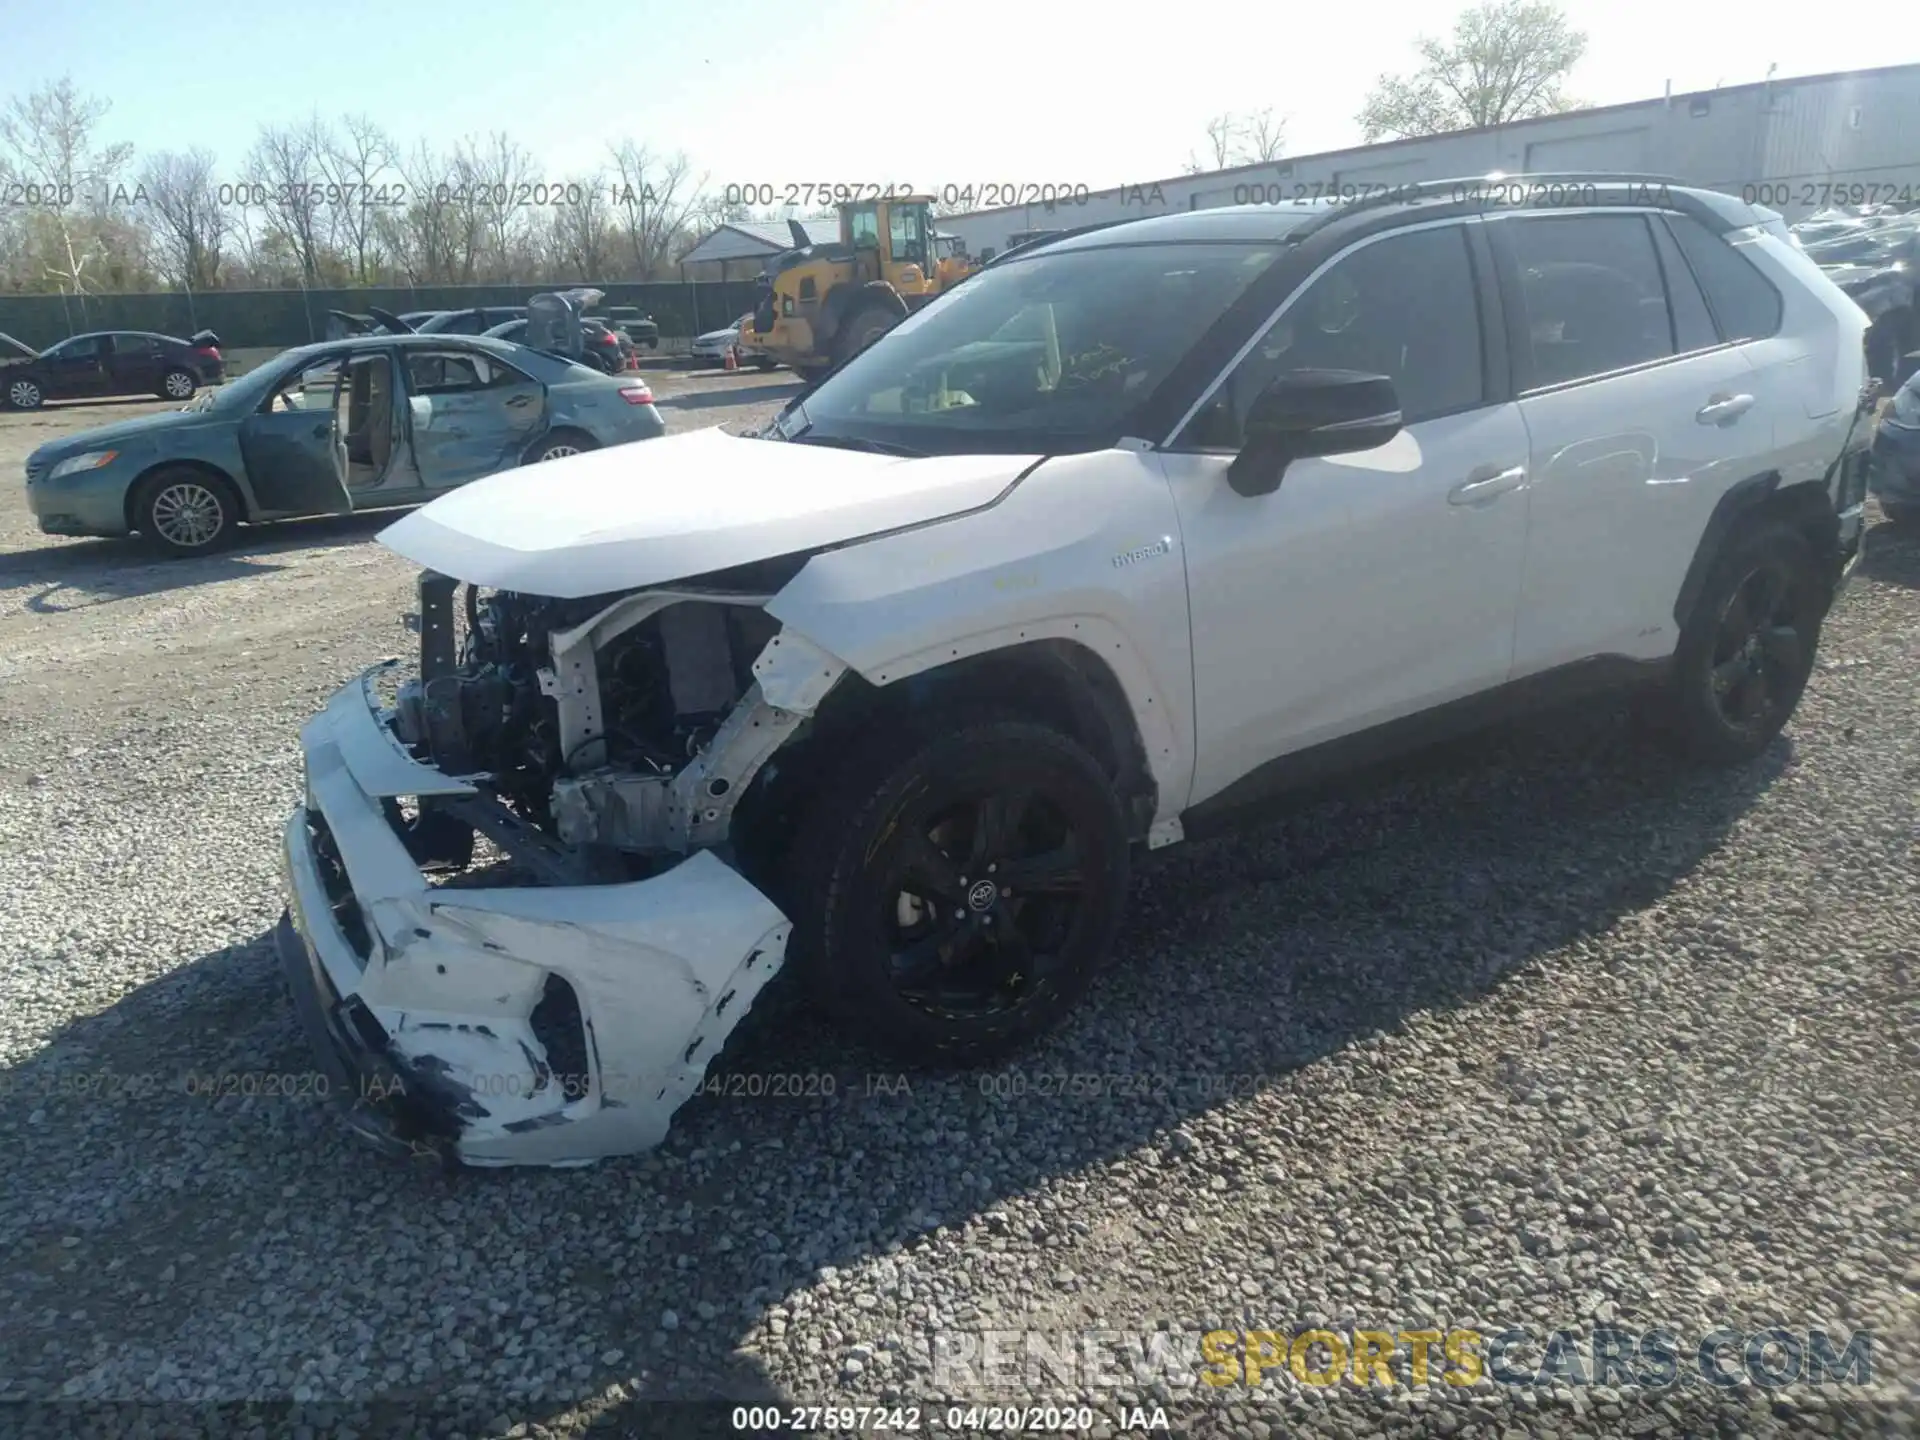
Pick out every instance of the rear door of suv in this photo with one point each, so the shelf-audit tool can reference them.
(1639, 417)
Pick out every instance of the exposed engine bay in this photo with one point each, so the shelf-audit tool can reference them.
(630, 723)
(559, 997)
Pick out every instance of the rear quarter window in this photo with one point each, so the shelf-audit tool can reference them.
(1744, 303)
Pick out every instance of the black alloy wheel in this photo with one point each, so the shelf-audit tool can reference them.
(1759, 652)
(985, 894)
(954, 890)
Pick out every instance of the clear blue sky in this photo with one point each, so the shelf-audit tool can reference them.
(840, 91)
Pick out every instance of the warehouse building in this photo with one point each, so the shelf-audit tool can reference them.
(1796, 145)
(740, 249)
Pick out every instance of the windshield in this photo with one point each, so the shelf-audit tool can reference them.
(1049, 354)
(250, 389)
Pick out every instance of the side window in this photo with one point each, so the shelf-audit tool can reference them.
(1403, 307)
(132, 345)
(906, 236)
(85, 347)
(306, 388)
(453, 372)
(1591, 296)
(1744, 302)
(863, 224)
(1693, 327)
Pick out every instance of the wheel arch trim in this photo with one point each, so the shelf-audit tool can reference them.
(1743, 501)
(1169, 760)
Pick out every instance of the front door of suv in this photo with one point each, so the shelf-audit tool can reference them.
(1638, 418)
(1373, 585)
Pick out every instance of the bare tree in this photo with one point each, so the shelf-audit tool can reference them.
(465, 203)
(357, 165)
(500, 175)
(583, 241)
(189, 221)
(49, 140)
(1223, 135)
(1506, 60)
(1262, 138)
(654, 199)
(1234, 138)
(420, 235)
(280, 173)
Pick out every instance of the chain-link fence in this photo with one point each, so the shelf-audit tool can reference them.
(280, 318)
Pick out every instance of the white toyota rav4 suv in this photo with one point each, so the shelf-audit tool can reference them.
(1128, 535)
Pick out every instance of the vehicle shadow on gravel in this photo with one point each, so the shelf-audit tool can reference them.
(123, 569)
(1245, 959)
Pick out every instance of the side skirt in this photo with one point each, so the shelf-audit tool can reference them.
(1305, 776)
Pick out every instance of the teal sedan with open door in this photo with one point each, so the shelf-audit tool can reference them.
(361, 423)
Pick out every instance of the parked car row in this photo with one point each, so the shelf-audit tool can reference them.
(362, 422)
(712, 347)
(106, 363)
(1873, 254)
(622, 328)
(608, 351)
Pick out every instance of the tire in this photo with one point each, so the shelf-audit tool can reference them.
(1746, 650)
(178, 384)
(810, 373)
(763, 362)
(940, 978)
(184, 512)
(25, 394)
(557, 445)
(862, 328)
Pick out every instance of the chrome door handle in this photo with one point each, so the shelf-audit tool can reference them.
(1723, 409)
(1487, 483)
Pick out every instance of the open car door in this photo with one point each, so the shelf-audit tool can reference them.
(554, 322)
(288, 443)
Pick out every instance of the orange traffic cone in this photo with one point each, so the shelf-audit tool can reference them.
(733, 357)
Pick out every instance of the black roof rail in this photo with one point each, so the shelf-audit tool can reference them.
(1027, 247)
(1461, 188)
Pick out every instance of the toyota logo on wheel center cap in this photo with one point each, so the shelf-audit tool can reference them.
(981, 895)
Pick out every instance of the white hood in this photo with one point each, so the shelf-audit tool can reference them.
(660, 510)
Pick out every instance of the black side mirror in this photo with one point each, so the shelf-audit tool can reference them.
(1305, 413)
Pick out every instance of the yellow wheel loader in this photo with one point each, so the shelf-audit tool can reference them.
(820, 304)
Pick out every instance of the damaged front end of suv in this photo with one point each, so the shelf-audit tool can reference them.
(514, 932)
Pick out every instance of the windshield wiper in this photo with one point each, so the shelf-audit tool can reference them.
(854, 442)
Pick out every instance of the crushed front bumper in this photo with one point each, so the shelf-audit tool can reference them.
(546, 1024)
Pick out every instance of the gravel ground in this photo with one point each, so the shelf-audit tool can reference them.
(1551, 1036)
